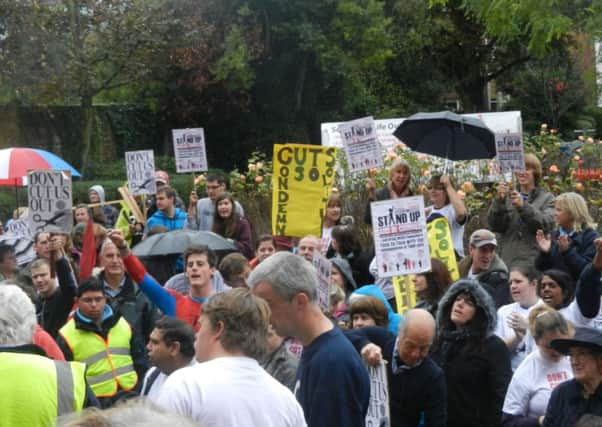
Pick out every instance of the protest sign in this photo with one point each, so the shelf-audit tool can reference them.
(441, 248)
(18, 228)
(303, 176)
(323, 267)
(49, 201)
(441, 245)
(140, 167)
(405, 296)
(189, 149)
(22, 245)
(378, 409)
(400, 239)
(510, 152)
(362, 149)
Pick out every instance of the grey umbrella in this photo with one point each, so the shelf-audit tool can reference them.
(448, 135)
(176, 242)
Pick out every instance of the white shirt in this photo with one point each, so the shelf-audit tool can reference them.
(155, 388)
(456, 229)
(231, 392)
(505, 332)
(532, 384)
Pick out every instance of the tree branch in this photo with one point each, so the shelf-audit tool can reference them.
(502, 69)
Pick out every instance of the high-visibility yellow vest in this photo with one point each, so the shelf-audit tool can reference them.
(109, 362)
(35, 390)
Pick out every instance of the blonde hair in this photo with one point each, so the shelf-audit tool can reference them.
(399, 164)
(574, 204)
(543, 319)
(531, 161)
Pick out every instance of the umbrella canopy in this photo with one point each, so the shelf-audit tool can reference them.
(15, 162)
(448, 135)
(176, 242)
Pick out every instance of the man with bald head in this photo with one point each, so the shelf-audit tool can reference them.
(416, 383)
(307, 246)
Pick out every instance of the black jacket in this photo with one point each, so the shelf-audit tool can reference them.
(382, 193)
(567, 405)
(141, 314)
(412, 392)
(477, 371)
(573, 261)
(53, 312)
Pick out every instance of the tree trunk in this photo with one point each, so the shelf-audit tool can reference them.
(87, 122)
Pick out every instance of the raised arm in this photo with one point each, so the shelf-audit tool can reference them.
(159, 296)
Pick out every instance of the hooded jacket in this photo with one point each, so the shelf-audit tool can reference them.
(494, 280)
(345, 269)
(110, 212)
(475, 361)
(374, 291)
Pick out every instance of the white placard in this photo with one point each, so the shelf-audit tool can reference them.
(190, 151)
(18, 228)
(378, 409)
(323, 266)
(49, 201)
(23, 247)
(362, 148)
(510, 152)
(140, 167)
(400, 237)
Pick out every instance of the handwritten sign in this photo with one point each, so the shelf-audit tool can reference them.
(49, 200)
(405, 296)
(378, 409)
(510, 152)
(303, 176)
(140, 167)
(400, 239)
(189, 149)
(362, 148)
(441, 245)
(323, 267)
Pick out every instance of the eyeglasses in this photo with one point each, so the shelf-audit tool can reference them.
(213, 187)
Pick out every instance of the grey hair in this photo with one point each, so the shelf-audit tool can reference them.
(132, 413)
(17, 317)
(288, 274)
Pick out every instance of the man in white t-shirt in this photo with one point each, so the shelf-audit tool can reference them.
(170, 347)
(228, 387)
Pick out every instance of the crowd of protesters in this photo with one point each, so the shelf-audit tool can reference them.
(213, 339)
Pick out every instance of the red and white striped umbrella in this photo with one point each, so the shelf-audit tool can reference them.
(15, 162)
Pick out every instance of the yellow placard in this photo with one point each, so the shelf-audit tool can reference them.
(405, 297)
(303, 176)
(441, 248)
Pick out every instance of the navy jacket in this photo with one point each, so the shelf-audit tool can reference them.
(412, 392)
(572, 261)
(332, 385)
(567, 405)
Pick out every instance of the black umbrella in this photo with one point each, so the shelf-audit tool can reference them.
(176, 242)
(448, 135)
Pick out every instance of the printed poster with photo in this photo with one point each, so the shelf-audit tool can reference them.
(323, 267)
(49, 201)
(362, 147)
(189, 149)
(510, 152)
(140, 167)
(400, 236)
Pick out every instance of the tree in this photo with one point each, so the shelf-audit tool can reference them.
(69, 52)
